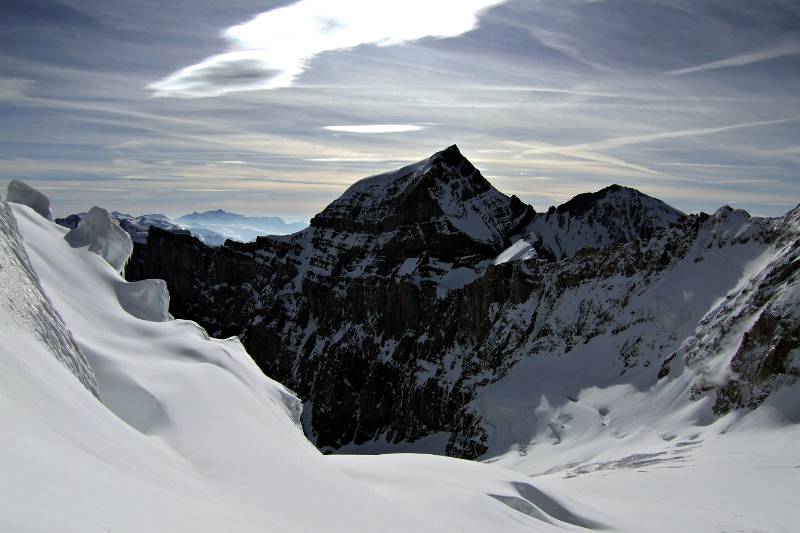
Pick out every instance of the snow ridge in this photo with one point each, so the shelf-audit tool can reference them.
(26, 308)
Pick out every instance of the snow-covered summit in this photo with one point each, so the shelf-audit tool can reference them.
(611, 215)
(444, 191)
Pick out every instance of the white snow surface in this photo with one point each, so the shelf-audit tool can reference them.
(28, 323)
(519, 251)
(103, 236)
(187, 433)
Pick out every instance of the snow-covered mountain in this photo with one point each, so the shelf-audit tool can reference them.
(444, 196)
(648, 384)
(412, 299)
(213, 228)
(599, 219)
(119, 418)
(138, 226)
(234, 226)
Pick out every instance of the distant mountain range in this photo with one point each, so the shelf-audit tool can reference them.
(213, 228)
(237, 227)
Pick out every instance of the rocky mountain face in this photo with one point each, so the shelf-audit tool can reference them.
(409, 300)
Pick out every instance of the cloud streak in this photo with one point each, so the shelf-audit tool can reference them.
(788, 49)
(273, 49)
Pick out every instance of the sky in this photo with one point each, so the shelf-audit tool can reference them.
(274, 108)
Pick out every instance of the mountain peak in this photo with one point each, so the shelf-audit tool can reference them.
(442, 194)
(451, 155)
(584, 202)
(596, 219)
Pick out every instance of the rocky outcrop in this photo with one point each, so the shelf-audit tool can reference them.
(389, 316)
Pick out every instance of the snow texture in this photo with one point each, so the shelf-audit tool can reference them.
(28, 322)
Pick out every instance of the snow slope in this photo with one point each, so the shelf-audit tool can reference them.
(689, 442)
(188, 434)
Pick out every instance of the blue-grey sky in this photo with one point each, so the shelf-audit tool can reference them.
(270, 107)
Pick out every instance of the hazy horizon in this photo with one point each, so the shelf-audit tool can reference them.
(275, 108)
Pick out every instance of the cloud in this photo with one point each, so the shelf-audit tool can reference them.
(375, 128)
(245, 71)
(639, 139)
(12, 88)
(587, 149)
(349, 160)
(784, 50)
(271, 50)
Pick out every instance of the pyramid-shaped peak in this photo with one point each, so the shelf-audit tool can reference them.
(444, 191)
(449, 154)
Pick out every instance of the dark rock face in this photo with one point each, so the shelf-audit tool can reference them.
(388, 316)
(768, 356)
(70, 221)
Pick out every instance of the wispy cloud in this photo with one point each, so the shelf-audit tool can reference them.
(665, 135)
(375, 128)
(348, 160)
(271, 50)
(787, 49)
(529, 89)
